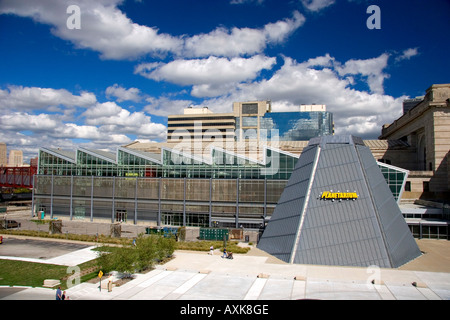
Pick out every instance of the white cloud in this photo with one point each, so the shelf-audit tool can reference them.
(19, 121)
(355, 112)
(317, 5)
(370, 68)
(102, 126)
(33, 98)
(241, 41)
(246, 1)
(122, 94)
(106, 29)
(212, 71)
(408, 54)
(112, 118)
(278, 32)
(165, 106)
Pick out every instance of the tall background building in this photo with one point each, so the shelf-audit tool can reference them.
(426, 129)
(199, 123)
(3, 158)
(307, 122)
(254, 121)
(15, 158)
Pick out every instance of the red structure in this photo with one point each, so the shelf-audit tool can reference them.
(17, 177)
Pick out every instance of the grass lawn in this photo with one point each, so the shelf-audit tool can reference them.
(22, 273)
(30, 274)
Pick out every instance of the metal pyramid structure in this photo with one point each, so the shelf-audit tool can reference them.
(337, 209)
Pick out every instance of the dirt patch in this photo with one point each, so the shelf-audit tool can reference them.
(435, 257)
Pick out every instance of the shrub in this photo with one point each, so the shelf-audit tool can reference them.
(142, 256)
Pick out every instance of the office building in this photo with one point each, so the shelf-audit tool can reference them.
(3, 155)
(408, 104)
(302, 125)
(252, 120)
(15, 158)
(201, 123)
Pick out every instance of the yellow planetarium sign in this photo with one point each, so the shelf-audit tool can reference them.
(329, 195)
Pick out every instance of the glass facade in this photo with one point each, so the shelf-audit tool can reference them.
(169, 188)
(429, 230)
(296, 126)
(163, 201)
(169, 164)
(395, 178)
(56, 162)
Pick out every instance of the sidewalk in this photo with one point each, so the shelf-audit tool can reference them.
(256, 275)
(199, 276)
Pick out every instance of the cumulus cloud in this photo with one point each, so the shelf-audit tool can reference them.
(107, 30)
(19, 121)
(370, 68)
(32, 98)
(211, 72)
(122, 94)
(355, 111)
(104, 28)
(165, 106)
(241, 41)
(278, 32)
(408, 54)
(316, 5)
(101, 126)
(112, 118)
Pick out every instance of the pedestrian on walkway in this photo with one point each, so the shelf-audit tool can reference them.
(224, 253)
(110, 283)
(58, 294)
(211, 250)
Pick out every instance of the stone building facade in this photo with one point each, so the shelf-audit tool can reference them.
(426, 129)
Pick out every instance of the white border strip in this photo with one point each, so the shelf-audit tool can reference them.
(305, 206)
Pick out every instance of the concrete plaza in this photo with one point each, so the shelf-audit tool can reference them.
(254, 276)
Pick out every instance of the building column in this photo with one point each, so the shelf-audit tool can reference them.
(135, 201)
(92, 198)
(113, 202)
(159, 202)
(184, 202)
(32, 197)
(210, 202)
(51, 199)
(237, 202)
(71, 198)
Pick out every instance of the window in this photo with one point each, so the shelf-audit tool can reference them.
(249, 108)
(426, 186)
(249, 122)
(408, 186)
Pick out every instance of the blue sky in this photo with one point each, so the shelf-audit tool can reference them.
(132, 63)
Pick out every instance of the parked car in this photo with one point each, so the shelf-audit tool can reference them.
(12, 224)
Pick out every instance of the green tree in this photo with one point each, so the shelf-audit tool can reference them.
(148, 250)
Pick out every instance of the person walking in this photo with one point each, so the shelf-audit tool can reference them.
(224, 253)
(211, 250)
(58, 294)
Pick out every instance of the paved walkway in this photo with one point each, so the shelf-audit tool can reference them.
(256, 276)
